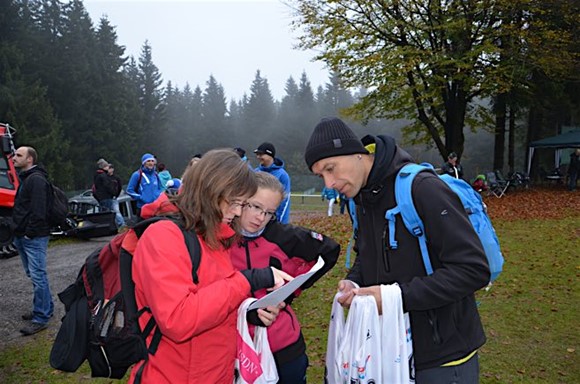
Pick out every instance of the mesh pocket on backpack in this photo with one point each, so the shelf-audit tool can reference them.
(116, 342)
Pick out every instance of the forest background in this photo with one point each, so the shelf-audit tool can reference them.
(70, 90)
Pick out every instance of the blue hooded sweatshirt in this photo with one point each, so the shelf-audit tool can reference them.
(277, 169)
(144, 185)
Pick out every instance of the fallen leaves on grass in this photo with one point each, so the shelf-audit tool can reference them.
(534, 203)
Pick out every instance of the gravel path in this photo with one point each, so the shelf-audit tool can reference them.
(63, 263)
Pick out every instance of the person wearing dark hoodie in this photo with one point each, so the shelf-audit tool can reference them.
(144, 185)
(266, 155)
(31, 235)
(446, 327)
(103, 188)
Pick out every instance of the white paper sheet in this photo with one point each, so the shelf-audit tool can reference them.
(279, 295)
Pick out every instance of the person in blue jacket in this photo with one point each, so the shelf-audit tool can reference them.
(266, 155)
(329, 194)
(144, 185)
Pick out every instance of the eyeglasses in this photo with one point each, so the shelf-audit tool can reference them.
(236, 204)
(255, 210)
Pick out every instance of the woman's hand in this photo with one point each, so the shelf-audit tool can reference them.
(280, 278)
(269, 314)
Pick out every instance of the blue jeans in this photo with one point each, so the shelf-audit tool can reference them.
(33, 255)
(466, 373)
(293, 372)
(113, 205)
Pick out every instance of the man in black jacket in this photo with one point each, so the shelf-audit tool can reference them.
(445, 323)
(32, 232)
(452, 166)
(103, 187)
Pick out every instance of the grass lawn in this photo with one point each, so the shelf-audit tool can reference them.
(530, 315)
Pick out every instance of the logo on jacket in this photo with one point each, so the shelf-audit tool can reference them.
(316, 236)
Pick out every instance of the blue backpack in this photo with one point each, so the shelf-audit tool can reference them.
(353, 219)
(472, 203)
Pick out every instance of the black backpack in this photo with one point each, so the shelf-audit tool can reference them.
(57, 206)
(57, 210)
(101, 321)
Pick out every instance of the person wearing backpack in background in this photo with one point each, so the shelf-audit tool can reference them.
(197, 321)
(295, 250)
(144, 185)
(445, 323)
(103, 187)
(32, 232)
(452, 167)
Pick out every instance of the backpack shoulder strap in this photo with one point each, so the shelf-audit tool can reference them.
(354, 220)
(406, 208)
(194, 248)
(191, 240)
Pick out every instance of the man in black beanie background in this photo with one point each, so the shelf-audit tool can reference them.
(445, 323)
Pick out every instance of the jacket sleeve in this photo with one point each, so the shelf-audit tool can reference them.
(282, 213)
(354, 272)
(133, 188)
(299, 242)
(459, 262)
(162, 273)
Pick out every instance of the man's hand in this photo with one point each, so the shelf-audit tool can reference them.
(269, 314)
(346, 287)
(374, 291)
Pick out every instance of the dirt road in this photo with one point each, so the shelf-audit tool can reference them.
(63, 264)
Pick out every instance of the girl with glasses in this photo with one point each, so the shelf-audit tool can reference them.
(268, 243)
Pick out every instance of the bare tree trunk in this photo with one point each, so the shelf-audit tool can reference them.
(512, 139)
(499, 142)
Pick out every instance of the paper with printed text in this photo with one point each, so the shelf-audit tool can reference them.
(276, 297)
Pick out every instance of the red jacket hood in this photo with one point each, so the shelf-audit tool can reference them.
(159, 206)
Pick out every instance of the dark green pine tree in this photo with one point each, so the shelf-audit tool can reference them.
(259, 113)
(151, 100)
(194, 127)
(115, 104)
(213, 113)
(334, 97)
(177, 140)
(23, 99)
(289, 117)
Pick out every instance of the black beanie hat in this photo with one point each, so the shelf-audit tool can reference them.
(332, 137)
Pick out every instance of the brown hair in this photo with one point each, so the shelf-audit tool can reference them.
(268, 181)
(218, 176)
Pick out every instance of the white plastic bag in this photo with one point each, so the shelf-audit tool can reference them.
(254, 360)
(360, 350)
(335, 335)
(397, 342)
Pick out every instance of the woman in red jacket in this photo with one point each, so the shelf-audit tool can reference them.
(197, 321)
(268, 243)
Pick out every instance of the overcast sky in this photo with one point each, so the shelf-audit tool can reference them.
(193, 39)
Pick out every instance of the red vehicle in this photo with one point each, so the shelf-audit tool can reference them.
(8, 186)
